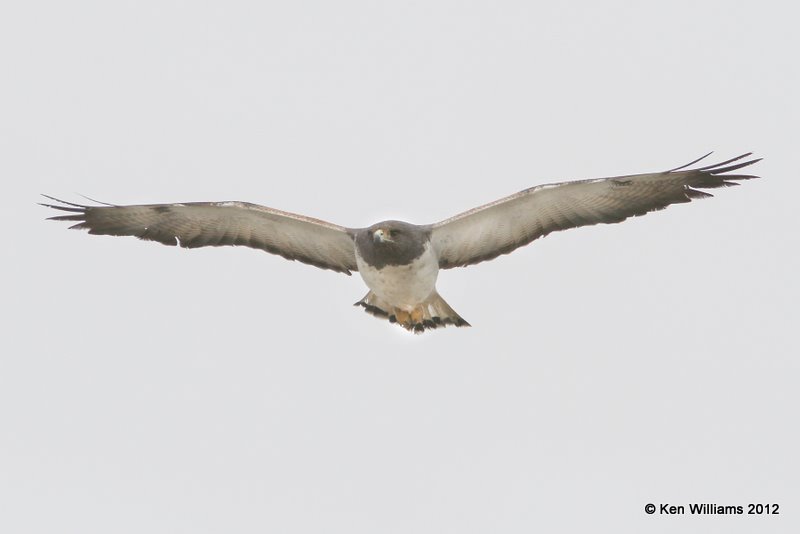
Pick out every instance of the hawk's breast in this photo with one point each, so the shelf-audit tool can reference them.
(402, 286)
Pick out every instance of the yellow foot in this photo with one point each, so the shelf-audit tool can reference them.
(410, 320)
(403, 318)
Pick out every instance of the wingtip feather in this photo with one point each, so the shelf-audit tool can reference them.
(701, 158)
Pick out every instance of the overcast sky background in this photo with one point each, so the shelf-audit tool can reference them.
(152, 389)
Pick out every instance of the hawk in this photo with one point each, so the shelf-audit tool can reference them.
(400, 261)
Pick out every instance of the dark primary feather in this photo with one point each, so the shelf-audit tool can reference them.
(200, 224)
(502, 226)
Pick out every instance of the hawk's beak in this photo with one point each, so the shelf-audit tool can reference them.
(382, 236)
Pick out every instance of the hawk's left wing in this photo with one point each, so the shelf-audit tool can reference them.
(502, 226)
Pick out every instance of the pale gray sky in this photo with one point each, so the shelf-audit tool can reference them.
(152, 389)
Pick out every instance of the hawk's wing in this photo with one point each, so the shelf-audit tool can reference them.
(498, 228)
(201, 224)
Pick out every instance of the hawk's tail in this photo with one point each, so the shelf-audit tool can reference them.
(432, 313)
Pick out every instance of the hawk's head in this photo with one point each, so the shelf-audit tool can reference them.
(392, 243)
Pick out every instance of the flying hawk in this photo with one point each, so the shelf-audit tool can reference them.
(400, 261)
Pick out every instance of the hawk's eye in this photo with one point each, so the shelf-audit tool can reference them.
(393, 233)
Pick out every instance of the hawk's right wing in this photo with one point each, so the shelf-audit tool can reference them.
(201, 224)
